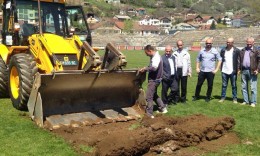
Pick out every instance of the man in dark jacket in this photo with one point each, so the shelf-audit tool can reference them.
(229, 65)
(155, 72)
(249, 67)
(169, 79)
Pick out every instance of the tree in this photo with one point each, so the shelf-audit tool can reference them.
(186, 3)
(128, 26)
(213, 26)
(169, 3)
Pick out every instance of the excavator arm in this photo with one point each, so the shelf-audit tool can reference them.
(113, 58)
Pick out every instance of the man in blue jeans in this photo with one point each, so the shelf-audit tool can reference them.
(249, 67)
(155, 73)
(229, 66)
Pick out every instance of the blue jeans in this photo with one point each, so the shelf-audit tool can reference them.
(233, 79)
(246, 77)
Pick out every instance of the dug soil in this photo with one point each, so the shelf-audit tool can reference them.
(191, 135)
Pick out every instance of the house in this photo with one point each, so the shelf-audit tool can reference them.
(131, 12)
(104, 27)
(226, 20)
(165, 24)
(113, 1)
(208, 20)
(121, 17)
(183, 27)
(148, 30)
(149, 21)
(241, 21)
(139, 29)
(92, 20)
(193, 19)
(229, 14)
(141, 11)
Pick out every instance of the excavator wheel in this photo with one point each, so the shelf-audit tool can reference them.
(21, 74)
(3, 79)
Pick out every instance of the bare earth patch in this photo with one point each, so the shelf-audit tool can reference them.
(161, 135)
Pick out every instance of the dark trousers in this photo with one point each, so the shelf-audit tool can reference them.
(201, 78)
(167, 84)
(151, 95)
(182, 83)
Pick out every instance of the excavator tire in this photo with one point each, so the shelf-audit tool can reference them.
(21, 70)
(3, 79)
(33, 66)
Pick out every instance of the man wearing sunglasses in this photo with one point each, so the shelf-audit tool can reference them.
(230, 60)
(249, 66)
(206, 68)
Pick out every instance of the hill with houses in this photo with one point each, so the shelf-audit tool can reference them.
(136, 23)
(164, 17)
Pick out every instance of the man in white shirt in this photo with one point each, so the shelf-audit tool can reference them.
(183, 71)
(229, 67)
(155, 73)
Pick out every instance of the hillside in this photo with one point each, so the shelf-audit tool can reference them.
(166, 7)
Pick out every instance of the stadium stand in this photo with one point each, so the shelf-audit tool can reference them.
(189, 37)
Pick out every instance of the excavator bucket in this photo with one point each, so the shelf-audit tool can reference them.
(77, 98)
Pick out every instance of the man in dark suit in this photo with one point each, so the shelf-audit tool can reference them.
(169, 79)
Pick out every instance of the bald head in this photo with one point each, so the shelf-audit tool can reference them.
(179, 44)
(209, 43)
(230, 42)
(231, 39)
(209, 40)
(250, 42)
(168, 50)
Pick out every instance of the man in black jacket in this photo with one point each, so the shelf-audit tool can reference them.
(229, 67)
(169, 79)
(249, 67)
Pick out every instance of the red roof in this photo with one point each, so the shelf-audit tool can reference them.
(206, 17)
(140, 9)
(120, 24)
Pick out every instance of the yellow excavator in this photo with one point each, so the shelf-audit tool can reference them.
(49, 67)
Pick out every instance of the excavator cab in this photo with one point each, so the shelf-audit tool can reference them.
(53, 71)
(78, 24)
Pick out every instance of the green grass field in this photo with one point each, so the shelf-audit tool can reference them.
(20, 136)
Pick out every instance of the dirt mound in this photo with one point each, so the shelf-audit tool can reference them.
(162, 134)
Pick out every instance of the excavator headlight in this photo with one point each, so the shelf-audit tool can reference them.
(16, 27)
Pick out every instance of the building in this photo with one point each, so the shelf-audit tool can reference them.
(149, 21)
(227, 21)
(121, 17)
(141, 11)
(241, 21)
(113, 1)
(165, 24)
(183, 27)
